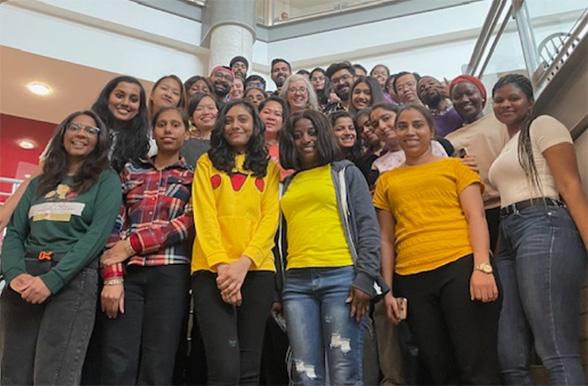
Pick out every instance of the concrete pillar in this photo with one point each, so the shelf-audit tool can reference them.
(228, 30)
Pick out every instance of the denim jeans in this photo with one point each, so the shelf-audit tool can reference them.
(542, 264)
(45, 344)
(319, 323)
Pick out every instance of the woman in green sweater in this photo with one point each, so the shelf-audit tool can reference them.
(49, 257)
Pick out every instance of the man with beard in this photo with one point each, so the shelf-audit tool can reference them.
(405, 86)
(281, 70)
(434, 95)
(239, 65)
(222, 80)
(342, 76)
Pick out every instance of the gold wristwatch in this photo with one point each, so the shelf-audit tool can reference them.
(484, 267)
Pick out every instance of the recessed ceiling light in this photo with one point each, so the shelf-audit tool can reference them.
(39, 88)
(26, 143)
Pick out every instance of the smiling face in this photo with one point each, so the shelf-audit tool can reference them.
(383, 120)
(280, 72)
(205, 114)
(361, 96)
(238, 128)
(239, 69)
(80, 137)
(124, 101)
(414, 133)
(430, 91)
(381, 74)
(345, 132)
(272, 117)
(222, 79)
(237, 89)
(297, 95)
(342, 81)
(305, 142)
(167, 93)
(406, 89)
(169, 132)
(468, 101)
(511, 105)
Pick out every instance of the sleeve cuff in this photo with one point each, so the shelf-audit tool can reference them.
(113, 271)
(53, 281)
(135, 243)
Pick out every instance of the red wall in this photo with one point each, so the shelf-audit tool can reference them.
(12, 129)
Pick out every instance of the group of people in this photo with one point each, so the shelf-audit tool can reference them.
(293, 220)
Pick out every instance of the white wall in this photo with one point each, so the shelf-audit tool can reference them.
(112, 35)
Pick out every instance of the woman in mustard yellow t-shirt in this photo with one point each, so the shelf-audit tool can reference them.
(435, 245)
(333, 243)
(235, 196)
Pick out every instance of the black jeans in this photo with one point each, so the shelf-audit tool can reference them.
(139, 346)
(457, 337)
(233, 336)
(45, 344)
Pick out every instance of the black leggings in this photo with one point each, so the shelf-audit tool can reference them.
(233, 336)
(457, 337)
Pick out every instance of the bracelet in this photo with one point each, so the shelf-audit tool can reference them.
(114, 281)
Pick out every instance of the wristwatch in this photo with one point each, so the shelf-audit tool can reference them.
(484, 267)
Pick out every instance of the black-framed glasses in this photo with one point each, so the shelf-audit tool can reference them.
(76, 127)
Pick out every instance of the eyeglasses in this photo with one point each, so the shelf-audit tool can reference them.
(76, 127)
(293, 90)
(343, 78)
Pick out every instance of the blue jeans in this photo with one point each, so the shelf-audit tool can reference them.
(319, 323)
(542, 264)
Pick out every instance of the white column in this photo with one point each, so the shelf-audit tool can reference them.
(228, 41)
(228, 30)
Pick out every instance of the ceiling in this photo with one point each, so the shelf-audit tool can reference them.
(75, 87)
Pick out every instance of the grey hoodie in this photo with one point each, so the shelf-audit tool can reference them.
(362, 231)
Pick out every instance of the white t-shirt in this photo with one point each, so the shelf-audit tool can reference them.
(506, 173)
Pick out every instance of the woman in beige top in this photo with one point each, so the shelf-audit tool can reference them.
(541, 252)
(481, 136)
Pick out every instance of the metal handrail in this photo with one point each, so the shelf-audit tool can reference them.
(542, 76)
(489, 37)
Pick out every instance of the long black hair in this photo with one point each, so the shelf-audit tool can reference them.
(525, 146)
(375, 91)
(353, 153)
(131, 138)
(326, 144)
(56, 164)
(222, 154)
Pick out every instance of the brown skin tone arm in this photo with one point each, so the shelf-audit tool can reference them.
(386, 221)
(482, 285)
(561, 159)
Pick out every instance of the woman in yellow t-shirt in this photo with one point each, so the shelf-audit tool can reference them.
(235, 196)
(333, 243)
(435, 241)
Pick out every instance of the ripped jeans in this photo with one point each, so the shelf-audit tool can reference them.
(319, 323)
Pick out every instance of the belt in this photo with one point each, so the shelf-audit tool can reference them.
(518, 206)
